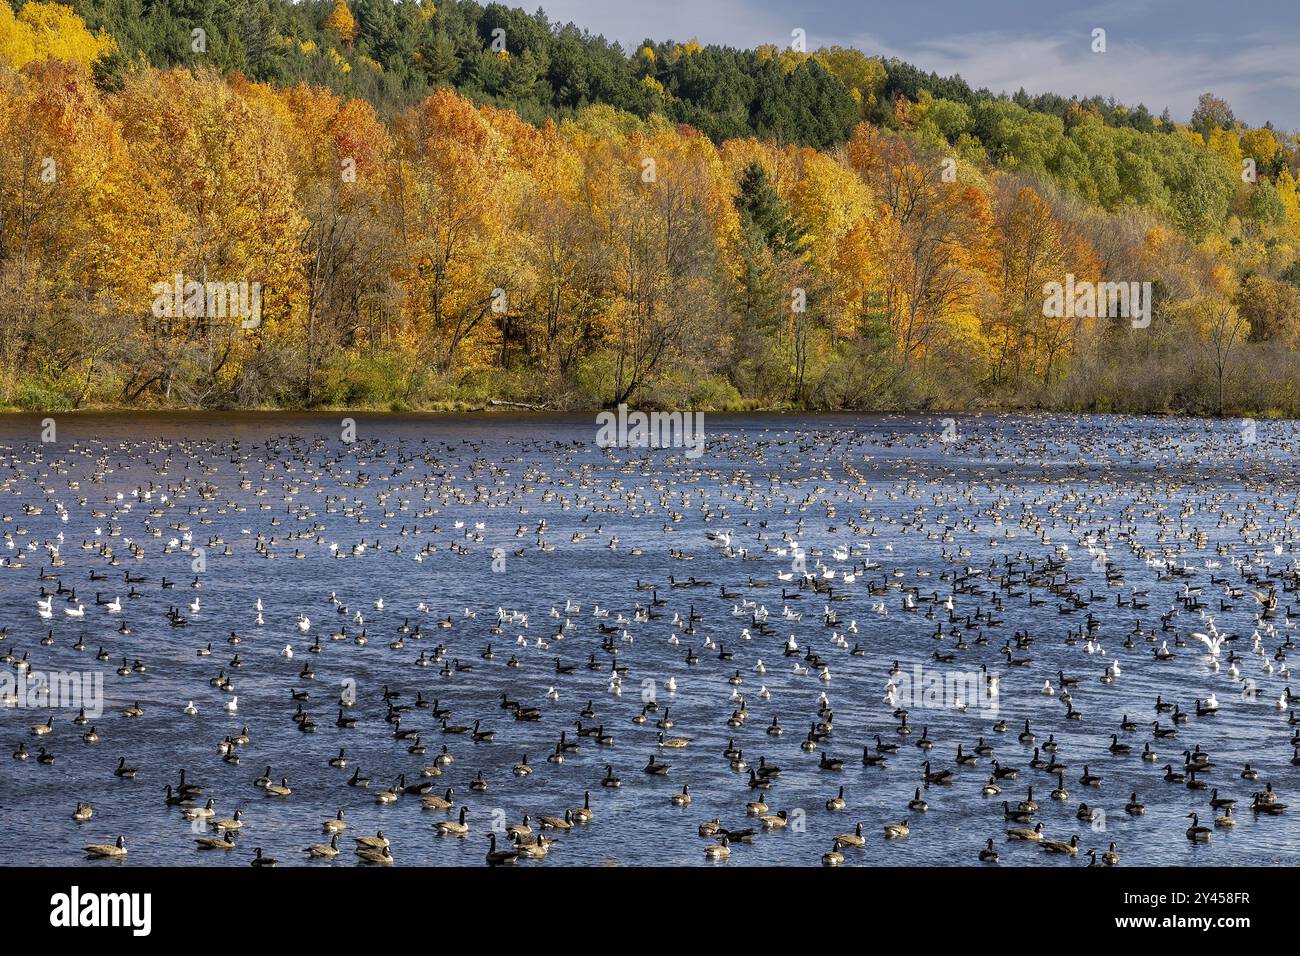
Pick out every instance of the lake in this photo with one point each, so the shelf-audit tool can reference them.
(1079, 534)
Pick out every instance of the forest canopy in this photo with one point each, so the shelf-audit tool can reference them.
(410, 205)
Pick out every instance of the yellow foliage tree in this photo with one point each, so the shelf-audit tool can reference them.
(341, 23)
(48, 31)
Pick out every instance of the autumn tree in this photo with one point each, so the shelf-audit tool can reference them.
(341, 23)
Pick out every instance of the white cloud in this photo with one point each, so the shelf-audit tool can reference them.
(1131, 72)
(1163, 53)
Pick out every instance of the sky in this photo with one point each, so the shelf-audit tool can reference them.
(1163, 53)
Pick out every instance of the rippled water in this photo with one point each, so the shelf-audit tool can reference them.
(1007, 486)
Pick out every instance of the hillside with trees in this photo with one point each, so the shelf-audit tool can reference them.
(446, 204)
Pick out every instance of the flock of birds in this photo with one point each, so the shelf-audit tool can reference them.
(1070, 573)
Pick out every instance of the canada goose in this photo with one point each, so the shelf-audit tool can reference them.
(324, 851)
(83, 812)
(261, 861)
(1197, 833)
(1110, 857)
(897, 831)
(988, 854)
(454, 827)
(1221, 803)
(376, 842)
(937, 776)
(1060, 793)
(235, 822)
(833, 856)
(718, 851)
(530, 848)
(1056, 846)
(223, 841)
(497, 857)
(280, 789)
(774, 821)
(431, 801)
(837, 802)
(1266, 802)
(557, 823)
(122, 770)
(610, 780)
(1022, 833)
(583, 813)
(682, 799)
(206, 812)
(851, 839)
(107, 851)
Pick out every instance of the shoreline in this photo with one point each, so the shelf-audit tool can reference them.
(515, 411)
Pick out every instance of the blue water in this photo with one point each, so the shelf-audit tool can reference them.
(922, 508)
